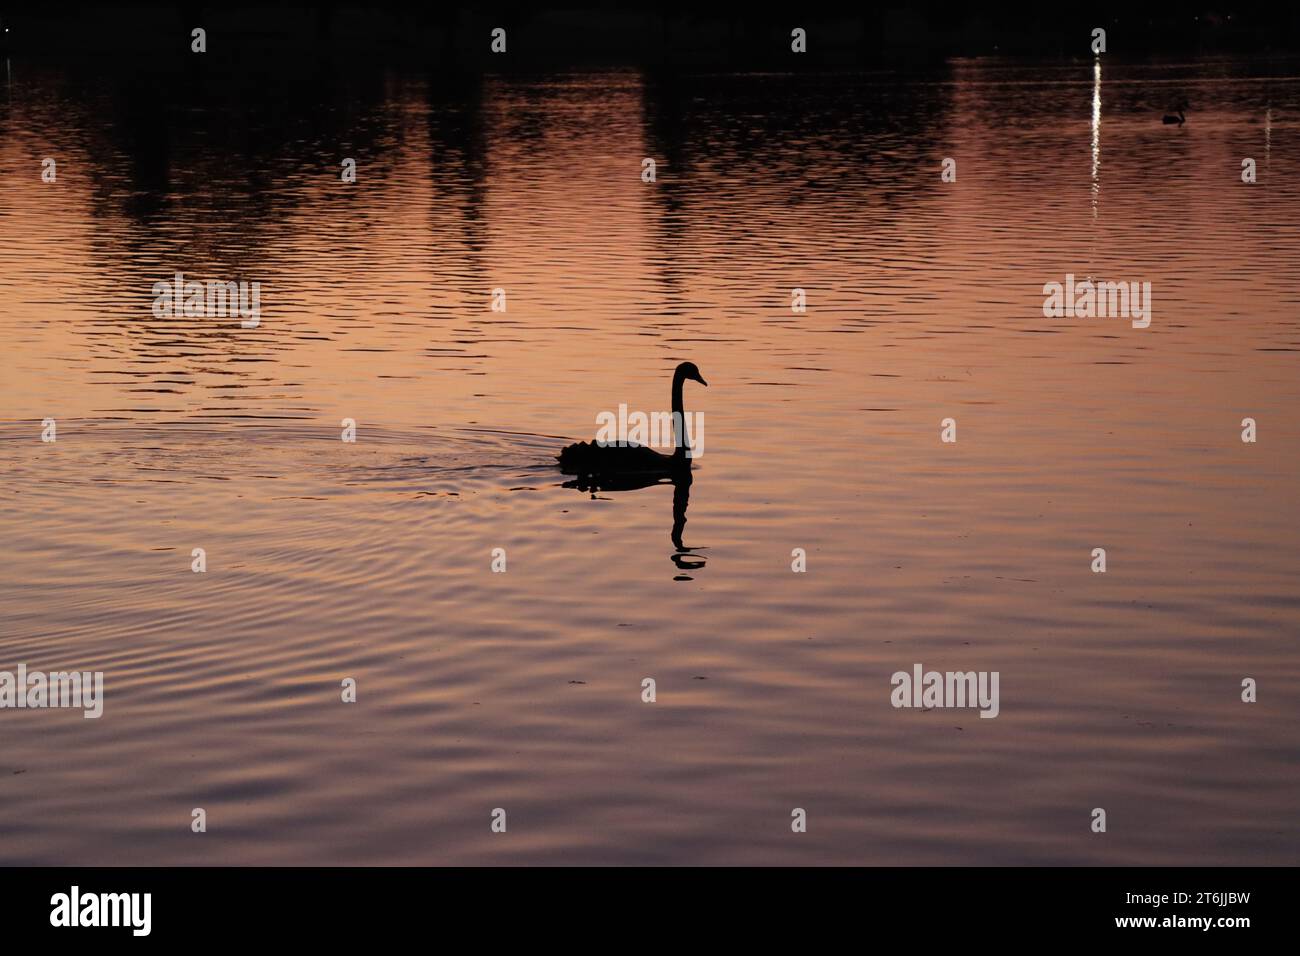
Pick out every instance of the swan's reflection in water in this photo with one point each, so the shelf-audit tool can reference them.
(685, 558)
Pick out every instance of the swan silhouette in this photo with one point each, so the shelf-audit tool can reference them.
(1170, 120)
(626, 466)
(629, 467)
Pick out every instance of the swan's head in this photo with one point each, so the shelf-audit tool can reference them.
(688, 371)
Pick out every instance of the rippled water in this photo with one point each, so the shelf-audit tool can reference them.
(522, 690)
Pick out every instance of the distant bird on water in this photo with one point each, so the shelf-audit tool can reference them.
(634, 466)
(1170, 120)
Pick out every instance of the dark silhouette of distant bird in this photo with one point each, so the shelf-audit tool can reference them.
(626, 466)
(629, 467)
(1170, 120)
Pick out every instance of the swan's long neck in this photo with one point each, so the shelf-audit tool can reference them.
(679, 417)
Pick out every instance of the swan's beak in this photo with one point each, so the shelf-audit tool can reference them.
(700, 379)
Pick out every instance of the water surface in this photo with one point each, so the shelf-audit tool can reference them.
(522, 690)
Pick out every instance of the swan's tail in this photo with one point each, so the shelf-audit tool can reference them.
(575, 459)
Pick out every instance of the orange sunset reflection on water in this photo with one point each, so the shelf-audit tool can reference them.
(371, 559)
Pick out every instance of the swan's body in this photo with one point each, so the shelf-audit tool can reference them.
(628, 465)
(582, 458)
(1170, 120)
